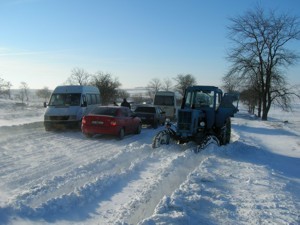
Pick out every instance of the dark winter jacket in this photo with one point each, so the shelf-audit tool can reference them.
(126, 104)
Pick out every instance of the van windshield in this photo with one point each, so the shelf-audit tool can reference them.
(65, 99)
(164, 100)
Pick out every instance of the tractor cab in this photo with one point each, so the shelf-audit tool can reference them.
(201, 97)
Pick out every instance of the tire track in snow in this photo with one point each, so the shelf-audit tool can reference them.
(170, 179)
(83, 194)
(163, 173)
(35, 182)
(53, 162)
(77, 178)
(38, 155)
(118, 180)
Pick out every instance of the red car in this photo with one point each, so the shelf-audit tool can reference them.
(113, 120)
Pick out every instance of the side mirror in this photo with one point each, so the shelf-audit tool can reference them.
(84, 104)
(45, 105)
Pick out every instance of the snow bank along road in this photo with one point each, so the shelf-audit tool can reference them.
(66, 178)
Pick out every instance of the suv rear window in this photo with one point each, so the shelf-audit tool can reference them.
(145, 109)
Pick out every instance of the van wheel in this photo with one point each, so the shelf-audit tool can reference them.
(48, 128)
(79, 125)
(121, 134)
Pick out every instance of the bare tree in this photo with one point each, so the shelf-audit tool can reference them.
(247, 84)
(24, 92)
(167, 84)
(154, 86)
(79, 77)
(122, 94)
(183, 81)
(259, 51)
(249, 97)
(138, 98)
(44, 93)
(231, 83)
(282, 93)
(107, 85)
(5, 88)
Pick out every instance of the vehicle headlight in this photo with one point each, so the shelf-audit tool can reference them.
(202, 124)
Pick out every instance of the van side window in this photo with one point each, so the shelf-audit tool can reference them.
(88, 99)
(93, 99)
(98, 99)
(83, 99)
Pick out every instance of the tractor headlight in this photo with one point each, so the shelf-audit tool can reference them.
(202, 124)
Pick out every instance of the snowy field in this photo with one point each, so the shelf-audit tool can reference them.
(65, 178)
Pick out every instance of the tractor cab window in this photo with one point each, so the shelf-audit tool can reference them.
(203, 99)
(199, 99)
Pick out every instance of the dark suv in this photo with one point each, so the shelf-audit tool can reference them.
(151, 115)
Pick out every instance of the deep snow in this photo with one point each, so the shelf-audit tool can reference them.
(65, 178)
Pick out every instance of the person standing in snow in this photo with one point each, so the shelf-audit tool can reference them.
(125, 103)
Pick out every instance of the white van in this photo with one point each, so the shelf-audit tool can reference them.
(166, 100)
(68, 104)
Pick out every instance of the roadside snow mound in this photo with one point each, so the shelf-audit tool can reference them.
(233, 185)
(15, 113)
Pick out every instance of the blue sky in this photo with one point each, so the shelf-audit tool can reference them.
(41, 41)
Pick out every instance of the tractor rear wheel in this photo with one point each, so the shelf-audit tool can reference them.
(228, 130)
(225, 132)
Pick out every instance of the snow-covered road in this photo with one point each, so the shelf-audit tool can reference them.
(66, 178)
(50, 175)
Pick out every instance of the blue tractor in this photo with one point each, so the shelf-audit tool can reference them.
(204, 117)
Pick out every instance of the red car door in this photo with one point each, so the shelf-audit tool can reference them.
(132, 123)
(124, 117)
